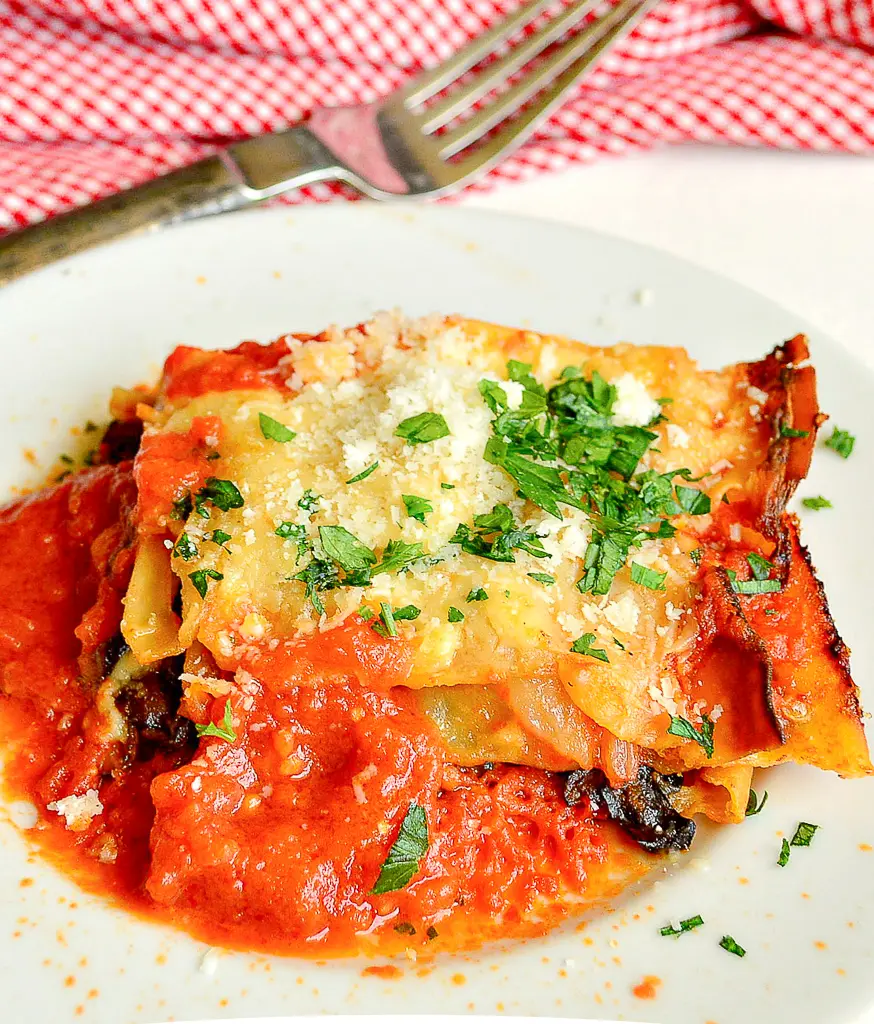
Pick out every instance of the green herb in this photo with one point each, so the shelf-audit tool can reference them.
(455, 614)
(185, 548)
(273, 430)
(685, 926)
(366, 613)
(728, 943)
(346, 549)
(724, 499)
(540, 484)
(816, 503)
(697, 555)
(477, 594)
(90, 427)
(182, 507)
(783, 859)
(619, 644)
(647, 577)
(770, 611)
(432, 933)
(224, 494)
(201, 578)
(66, 459)
(756, 586)
(761, 567)
(364, 474)
(427, 426)
(213, 456)
(703, 736)
(296, 532)
(408, 612)
(583, 645)
(542, 577)
(225, 731)
(754, 805)
(495, 535)
(386, 626)
(408, 849)
(309, 500)
(448, 487)
(398, 555)
(417, 508)
(842, 442)
(803, 834)
(692, 501)
(219, 537)
(405, 928)
(792, 432)
(318, 576)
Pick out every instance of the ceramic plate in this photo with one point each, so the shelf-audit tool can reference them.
(71, 332)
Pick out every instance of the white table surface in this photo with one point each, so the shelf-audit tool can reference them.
(798, 227)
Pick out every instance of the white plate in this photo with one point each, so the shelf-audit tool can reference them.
(72, 331)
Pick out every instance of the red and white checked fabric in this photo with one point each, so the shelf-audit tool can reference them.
(96, 95)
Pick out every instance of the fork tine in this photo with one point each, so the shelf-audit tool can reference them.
(558, 73)
(443, 111)
(437, 79)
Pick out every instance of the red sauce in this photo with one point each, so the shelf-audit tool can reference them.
(273, 841)
(250, 366)
(648, 988)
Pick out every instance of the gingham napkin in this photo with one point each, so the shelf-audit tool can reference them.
(96, 95)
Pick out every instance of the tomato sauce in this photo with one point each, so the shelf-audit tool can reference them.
(272, 840)
(194, 371)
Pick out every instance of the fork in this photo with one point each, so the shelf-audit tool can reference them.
(399, 146)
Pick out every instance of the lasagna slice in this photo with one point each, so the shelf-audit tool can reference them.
(469, 623)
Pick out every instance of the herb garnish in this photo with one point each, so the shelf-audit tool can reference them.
(685, 926)
(427, 426)
(477, 594)
(448, 487)
(754, 805)
(495, 535)
(761, 567)
(389, 616)
(309, 500)
(647, 577)
(364, 474)
(296, 532)
(783, 859)
(803, 835)
(432, 933)
(408, 849)
(273, 430)
(405, 928)
(542, 577)
(346, 549)
(417, 508)
(218, 537)
(224, 731)
(398, 555)
(792, 432)
(703, 736)
(224, 494)
(185, 548)
(756, 586)
(842, 442)
(201, 578)
(816, 503)
(183, 507)
(455, 614)
(728, 943)
(583, 645)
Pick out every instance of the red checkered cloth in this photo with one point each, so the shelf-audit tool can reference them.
(96, 95)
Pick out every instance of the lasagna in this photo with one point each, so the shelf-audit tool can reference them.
(416, 634)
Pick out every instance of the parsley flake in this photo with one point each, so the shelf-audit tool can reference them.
(842, 442)
(417, 508)
(224, 494)
(405, 928)
(455, 614)
(218, 537)
(754, 805)
(224, 731)
(647, 577)
(542, 577)
(309, 500)
(583, 645)
(183, 507)
(364, 474)
(783, 859)
(421, 429)
(386, 626)
(756, 586)
(728, 943)
(792, 432)
(346, 549)
(816, 503)
(703, 736)
(185, 548)
(406, 852)
(477, 594)
(273, 430)
(685, 926)
(296, 532)
(398, 555)
(761, 567)
(495, 536)
(432, 933)
(201, 578)
(803, 834)
(448, 487)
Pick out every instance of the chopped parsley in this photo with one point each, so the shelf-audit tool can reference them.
(728, 943)
(804, 833)
(692, 501)
(703, 736)
(583, 645)
(542, 577)
(296, 532)
(218, 537)
(448, 487)
(756, 586)
(405, 928)
(408, 849)
(398, 555)
(427, 426)
(224, 731)
(346, 549)
(760, 567)
(495, 535)
(792, 432)
(318, 576)
(224, 494)
(364, 474)
(408, 612)
(647, 577)
(273, 430)
(183, 507)
(185, 548)
(842, 442)
(619, 644)
(685, 926)
(754, 805)
(783, 859)
(477, 594)
(431, 933)
(201, 579)
(309, 500)
(366, 613)
(417, 508)
(66, 459)
(455, 614)
(816, 503)
(386, 626)
(697, 555)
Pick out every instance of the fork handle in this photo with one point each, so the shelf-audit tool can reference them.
(208, 186)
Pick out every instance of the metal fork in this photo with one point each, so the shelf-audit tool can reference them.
(394, 147)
